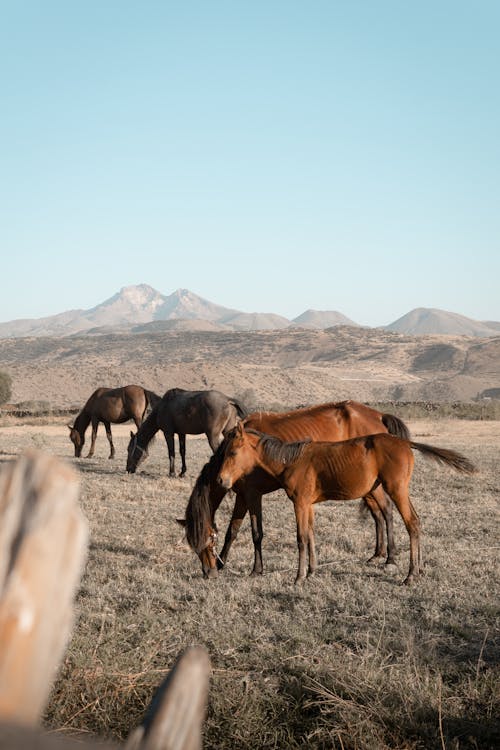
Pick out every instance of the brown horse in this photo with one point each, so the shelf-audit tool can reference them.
(185, 413)
(313, 472)
(108, 405)
(332, 421)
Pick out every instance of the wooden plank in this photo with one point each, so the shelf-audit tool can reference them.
(43, 540)
(174, 720)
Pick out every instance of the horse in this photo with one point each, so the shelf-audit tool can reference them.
(311, 472)
(184, 413)
(108, 405)
(331, 421)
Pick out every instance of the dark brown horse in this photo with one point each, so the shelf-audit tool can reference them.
(185, 413)
(108, 405)
(313, 472)
(331, 421)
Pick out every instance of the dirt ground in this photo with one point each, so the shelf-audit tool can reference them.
(351, 661)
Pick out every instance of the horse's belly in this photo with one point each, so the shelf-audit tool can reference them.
(347, 489)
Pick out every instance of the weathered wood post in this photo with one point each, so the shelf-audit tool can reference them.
(43, 540)
(174, 720)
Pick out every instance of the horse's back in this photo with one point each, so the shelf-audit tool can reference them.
(194, 412)
(331, 421)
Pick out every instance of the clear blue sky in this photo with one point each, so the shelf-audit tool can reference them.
(269, 156)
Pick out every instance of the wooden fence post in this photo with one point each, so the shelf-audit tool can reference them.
(43, 540)
(174, 720)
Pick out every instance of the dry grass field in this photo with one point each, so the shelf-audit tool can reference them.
(351, 660)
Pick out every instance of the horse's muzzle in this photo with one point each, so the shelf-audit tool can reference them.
(224, 482)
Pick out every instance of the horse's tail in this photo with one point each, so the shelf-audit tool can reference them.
(241, 410)
(204, 500)
(396, 426)
(445, 456)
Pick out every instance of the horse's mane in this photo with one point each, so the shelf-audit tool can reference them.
(148, 429)
(199, 510)
(276, 450)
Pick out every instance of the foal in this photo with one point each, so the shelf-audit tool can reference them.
(311, 472)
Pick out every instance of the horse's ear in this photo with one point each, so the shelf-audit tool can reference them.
(70, 427)
(239, 428)
(132, 434)
(181, 521)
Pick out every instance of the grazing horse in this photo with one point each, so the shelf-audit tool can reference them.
(332, 421)
(185, 413)
(108, 405)
(313, 472)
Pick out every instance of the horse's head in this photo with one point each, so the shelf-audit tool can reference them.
(77, 439)
(135, 453)
(239, 457)
(208, 551)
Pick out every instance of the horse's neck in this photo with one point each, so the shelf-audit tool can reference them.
(216, 496)
(147, 430)
(82, 422)
(272, 466)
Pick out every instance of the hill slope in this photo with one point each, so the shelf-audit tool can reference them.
(268, 369)
(425, 320)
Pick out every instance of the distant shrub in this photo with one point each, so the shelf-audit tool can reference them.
(5, 387)
(34, 408)
(481, 409)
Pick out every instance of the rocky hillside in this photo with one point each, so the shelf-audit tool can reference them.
(266, 368)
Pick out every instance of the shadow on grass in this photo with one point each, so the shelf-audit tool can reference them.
(119, 549)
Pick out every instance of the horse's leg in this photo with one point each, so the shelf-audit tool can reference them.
(377, 515)
(182, 451)
(311, 543)
(302, 517)
(239, 513)
(95, 425)
(254, 504)
(381, 508)
(398, 491)
(107, 427)
(169, 437)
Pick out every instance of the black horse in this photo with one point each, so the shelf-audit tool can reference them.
(110, 405)
(185, 413)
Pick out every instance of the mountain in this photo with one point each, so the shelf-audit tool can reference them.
(142, 309)
(130, 307)
(185, 304)
(322, 319)
(255, 321)
(424, 320)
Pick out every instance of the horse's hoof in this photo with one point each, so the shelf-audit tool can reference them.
(255, 573)
(411, 578)
(300, 580)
